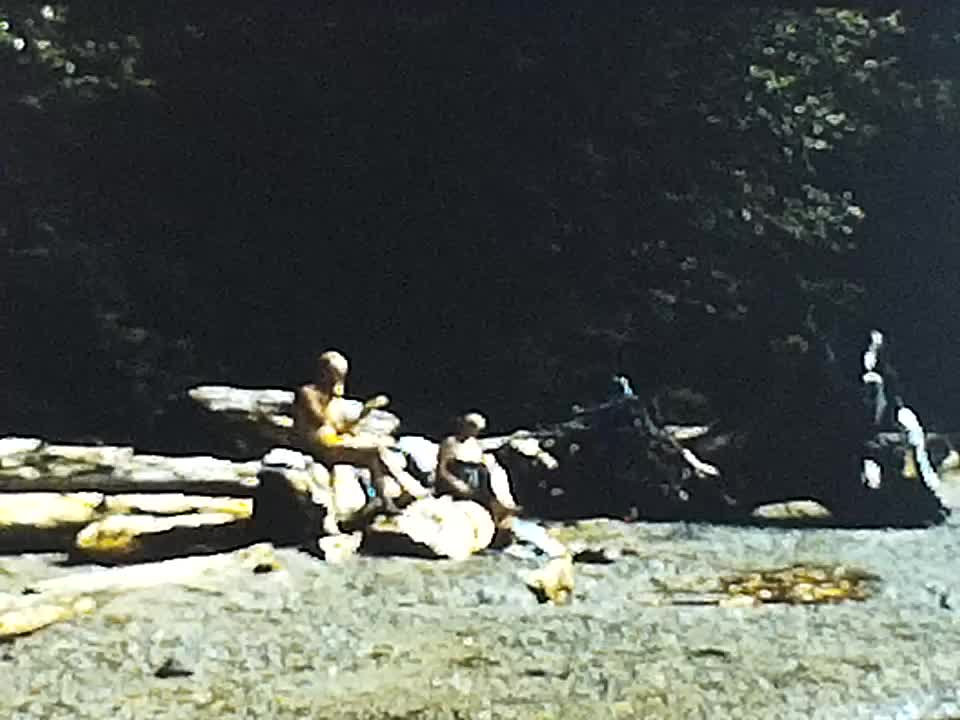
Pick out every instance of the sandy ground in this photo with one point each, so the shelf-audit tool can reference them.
(406, 638)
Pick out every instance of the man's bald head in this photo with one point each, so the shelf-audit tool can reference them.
(472, 424)
(332, 369)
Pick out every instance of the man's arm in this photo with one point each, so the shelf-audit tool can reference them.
(500, 482)
(315, 412)
(374, 403)
(454, 485)
(309, 402)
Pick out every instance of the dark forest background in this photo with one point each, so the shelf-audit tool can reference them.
(491, 205)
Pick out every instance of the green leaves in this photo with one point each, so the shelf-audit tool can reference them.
(46, 54)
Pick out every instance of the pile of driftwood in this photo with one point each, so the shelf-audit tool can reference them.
(848, 452)
(170, 520)
(837, 450)
(810, 441)
(851, 446)
(112, 505)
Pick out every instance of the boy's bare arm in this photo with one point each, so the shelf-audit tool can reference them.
(445, 455)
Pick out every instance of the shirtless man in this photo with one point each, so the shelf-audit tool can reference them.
(325, 423)
(465, 472)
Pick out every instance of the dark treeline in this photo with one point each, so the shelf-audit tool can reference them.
(484, 206)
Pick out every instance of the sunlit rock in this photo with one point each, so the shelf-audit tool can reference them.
(792, 510)
(433, 527)
(554, 582)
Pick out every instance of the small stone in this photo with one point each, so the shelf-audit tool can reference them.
(172, 668)
(595, 556)
(739, 601)
(554, 582)
(792, 510)
(338, 548)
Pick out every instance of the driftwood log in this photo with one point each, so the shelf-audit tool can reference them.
(257, 558)
(104, 502)
(31, 465)
(850, 450)
(285, 498)
(76, 594)
(813, 433)
(268, 411)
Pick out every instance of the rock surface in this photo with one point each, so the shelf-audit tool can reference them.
(407, 638)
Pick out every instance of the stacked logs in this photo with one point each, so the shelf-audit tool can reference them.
(112, 504)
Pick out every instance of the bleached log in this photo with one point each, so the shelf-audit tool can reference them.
(792, 510)
(73, 595)
(49, 522)
(45, 522)
(288, 504)
(177, 504)
(39, 467)
(179, 571)
(243, 401)
(432, 527)
(269, 410)
(35, 615)
(48, 510)
(127, 538)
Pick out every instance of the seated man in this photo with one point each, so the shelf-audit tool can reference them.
(326, 425)
(465, 472)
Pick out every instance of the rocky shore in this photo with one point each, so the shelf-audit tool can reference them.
(406, 638)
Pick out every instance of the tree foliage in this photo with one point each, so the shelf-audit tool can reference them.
(530, 199)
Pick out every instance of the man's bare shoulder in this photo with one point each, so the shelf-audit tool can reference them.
(308, 397)
(307, 390)
(448, 444)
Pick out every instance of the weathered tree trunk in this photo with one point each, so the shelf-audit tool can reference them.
(256, 558)
(50, 493)
(269, 410)
(50, 522)
(122, 538)
(30, 465)
(76, 594)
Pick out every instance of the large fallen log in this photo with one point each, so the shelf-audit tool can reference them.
(51, 522)
(31, 465)
(67, 597)
(50, 492)
(45, 522)
(269, 411)
(122, 539)
(256, 558)
(294, 501)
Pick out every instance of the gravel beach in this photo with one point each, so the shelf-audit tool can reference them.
(410, 638)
